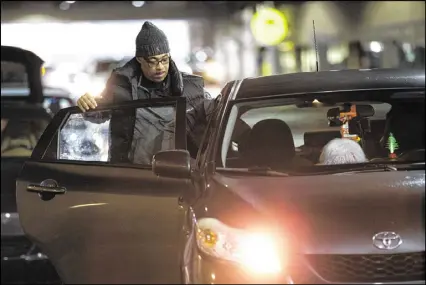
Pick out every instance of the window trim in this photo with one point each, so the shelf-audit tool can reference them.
(57, 123)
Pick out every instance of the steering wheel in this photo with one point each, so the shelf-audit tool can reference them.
(413, 155)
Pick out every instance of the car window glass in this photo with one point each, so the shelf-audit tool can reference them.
(54, 104)
(13, 75)
(294, 135)
(297, 118)
(19, 136)
(131, 135)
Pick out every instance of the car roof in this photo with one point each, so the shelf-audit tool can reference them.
(328, 81)
(19, 55)
(32, 63)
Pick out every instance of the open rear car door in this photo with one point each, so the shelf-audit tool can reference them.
(97, 220)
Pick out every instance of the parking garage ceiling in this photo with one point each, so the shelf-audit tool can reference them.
(17, 11)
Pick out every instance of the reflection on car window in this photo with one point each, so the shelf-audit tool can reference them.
(19, 137)
(13, 75)
(118, 136)
(279, 135)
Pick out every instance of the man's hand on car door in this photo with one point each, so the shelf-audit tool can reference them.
(87, 102)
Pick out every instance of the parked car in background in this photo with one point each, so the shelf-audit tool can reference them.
(22, 261)
(254, 205)
(26, 109)
(25, 112)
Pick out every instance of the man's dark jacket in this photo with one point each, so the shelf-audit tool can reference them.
(124, 84)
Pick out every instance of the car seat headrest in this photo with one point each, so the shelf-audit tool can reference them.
(270, 144)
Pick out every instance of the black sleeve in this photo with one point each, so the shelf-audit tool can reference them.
(117, 89)
(197, 116)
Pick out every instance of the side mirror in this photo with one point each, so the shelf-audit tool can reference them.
(363, 111)
(172, 164)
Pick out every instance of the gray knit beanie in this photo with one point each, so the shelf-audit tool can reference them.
(151, 41)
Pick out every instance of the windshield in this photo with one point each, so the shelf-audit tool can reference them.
(19, 136)
(293, 134)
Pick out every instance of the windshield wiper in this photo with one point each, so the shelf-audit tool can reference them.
(374, 167)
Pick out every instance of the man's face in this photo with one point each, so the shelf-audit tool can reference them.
(155, 68)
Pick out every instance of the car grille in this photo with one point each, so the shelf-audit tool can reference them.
(15, 247)
(370, 268)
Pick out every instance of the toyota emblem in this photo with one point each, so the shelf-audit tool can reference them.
(387, 240)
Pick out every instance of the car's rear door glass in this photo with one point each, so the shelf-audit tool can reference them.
(131, 134)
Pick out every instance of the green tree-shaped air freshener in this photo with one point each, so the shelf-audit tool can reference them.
(392, 145)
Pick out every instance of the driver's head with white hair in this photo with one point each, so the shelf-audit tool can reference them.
(342, 151)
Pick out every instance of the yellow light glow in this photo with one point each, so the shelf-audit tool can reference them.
(269, 26)
(208, 237)
(214, 71)
(258, 251)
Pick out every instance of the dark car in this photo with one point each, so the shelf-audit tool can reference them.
(257, 204)
(26, 110)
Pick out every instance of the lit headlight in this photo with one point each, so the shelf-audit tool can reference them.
(256, 251)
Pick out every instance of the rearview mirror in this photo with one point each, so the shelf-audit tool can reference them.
(333, 116)
(362, 111)
(172, 164)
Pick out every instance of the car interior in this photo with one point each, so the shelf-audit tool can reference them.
(271, 143)
(19, 137)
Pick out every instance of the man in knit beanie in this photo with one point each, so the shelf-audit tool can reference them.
(151, 74)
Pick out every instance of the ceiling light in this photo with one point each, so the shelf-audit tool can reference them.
(138, 4)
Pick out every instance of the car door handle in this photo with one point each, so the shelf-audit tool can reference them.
(46, 189)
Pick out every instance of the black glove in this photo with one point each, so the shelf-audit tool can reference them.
(176, 80)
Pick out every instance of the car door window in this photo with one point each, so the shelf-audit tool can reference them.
(131, 134)
(211, 126)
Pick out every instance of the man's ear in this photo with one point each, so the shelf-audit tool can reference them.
(139, 59)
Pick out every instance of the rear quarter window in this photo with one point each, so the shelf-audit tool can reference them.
(13, 75)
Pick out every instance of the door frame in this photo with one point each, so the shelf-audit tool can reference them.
(62, 116)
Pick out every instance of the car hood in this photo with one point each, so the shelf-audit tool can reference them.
(339, 214)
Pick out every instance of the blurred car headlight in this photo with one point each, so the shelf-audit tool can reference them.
(257, 251)
(96, 88)
(213, 70)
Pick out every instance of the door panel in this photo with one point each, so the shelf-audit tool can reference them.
(114, 224)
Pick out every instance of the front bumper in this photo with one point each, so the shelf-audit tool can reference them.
(206, 270)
